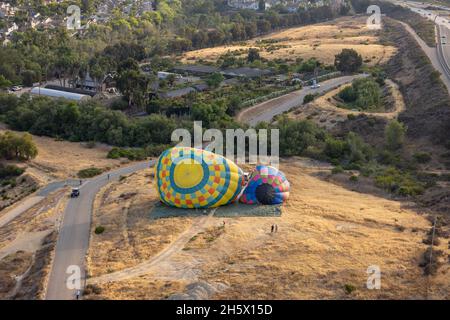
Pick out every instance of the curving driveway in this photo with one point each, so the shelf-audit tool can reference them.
(73, 238)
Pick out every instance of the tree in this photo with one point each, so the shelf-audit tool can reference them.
(4, 83)
(215, 80)
(13, 146)
(253, 55)
(348, 60)
(394, 135)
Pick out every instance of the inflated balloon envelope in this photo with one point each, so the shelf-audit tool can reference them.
(195, 178)
(266, 185)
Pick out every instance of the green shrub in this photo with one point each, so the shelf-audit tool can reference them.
(353, 178)
(137, 154)
(349, 288)
(10, 171)
(422, 157)
(99, 230)
(309, 97)
(89, 173)
(399, 183)
(364, 94)
(394, 134)
(337, 169)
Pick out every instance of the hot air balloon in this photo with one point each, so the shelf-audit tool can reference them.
(266, 185)
(194, 178)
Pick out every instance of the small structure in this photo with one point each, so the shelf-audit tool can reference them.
(164, 75)
(196, 69)
(246, 72)
(39, 91)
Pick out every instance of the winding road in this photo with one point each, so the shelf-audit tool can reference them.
(73, 238)
(265, 111)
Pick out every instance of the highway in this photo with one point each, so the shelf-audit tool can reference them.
(439, 56)
(73, 238)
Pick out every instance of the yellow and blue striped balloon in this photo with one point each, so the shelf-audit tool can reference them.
(194, 178)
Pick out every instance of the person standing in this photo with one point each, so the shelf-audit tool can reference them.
(78, 295)
(272, 228)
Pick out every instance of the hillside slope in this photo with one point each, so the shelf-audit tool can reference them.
(327, 238)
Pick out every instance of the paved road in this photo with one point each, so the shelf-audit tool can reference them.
(73, 238)
(264, 112)
(439, 55)
(32, 201)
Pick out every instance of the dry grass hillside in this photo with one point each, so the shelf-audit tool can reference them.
(327, 238)
(322, 41)
(62, 159)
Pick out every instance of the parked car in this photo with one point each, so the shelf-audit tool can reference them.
(16, 88)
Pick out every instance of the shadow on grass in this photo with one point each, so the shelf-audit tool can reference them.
(237, 209)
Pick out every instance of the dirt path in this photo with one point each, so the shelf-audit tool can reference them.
(399, 104)
(168, 252)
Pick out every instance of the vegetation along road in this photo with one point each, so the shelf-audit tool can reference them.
(264, 112)
(73, 239)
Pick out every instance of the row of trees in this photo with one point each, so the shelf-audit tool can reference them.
(36, 55)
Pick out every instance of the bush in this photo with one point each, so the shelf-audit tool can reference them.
(364, 94)
(348, 60)
(394, 134)
(99, 230)
(353, 178)
(337, 169)
(349, 288)
(399, 183)
(309, 97)
(89, 173)
(137, 154)
(13, 146)
(422, 157)
(10, 171)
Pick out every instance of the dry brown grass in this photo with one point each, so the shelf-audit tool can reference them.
(130, 235)
(63, 159)
(328, 236)
(322, 41)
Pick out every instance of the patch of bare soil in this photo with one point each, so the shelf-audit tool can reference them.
(328, 237)
(11, 267)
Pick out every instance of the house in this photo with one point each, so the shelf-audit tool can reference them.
(95, 85)
(8, 30)
(7, 10)
(244, 4)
